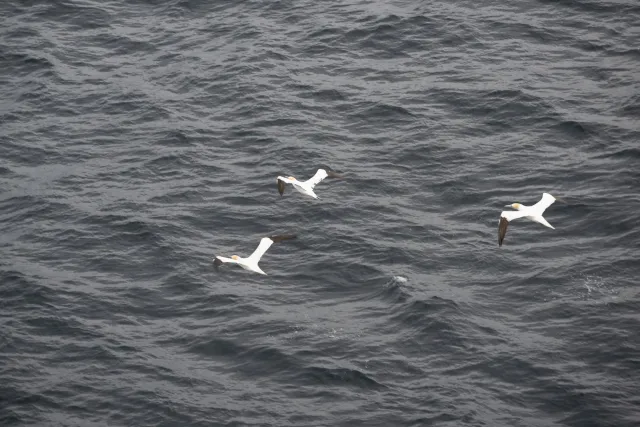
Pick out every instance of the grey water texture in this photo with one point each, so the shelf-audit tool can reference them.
(139, 139)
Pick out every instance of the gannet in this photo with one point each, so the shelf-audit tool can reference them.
(251, 262)
(533, 213)
(306, 187)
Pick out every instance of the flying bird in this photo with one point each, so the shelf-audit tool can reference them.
(251, 262)
(306, 187)
(533, 213)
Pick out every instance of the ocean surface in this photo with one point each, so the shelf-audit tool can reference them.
(139, 139)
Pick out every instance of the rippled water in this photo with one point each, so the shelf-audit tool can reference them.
(139, 139)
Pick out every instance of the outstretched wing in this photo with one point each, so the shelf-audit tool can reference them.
(281, 237)
(319, 176)
(505, 217)
(546, 201)
(265, 243)
(502, 229)
(280, 186)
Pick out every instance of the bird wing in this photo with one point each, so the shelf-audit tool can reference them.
(502, 229)
(546, 201)
(505, 217)
(317, 178)
(265, 243)
(281, 237)
(280, 186)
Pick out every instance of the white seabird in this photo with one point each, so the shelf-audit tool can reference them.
(251, 262)
(306, 187)
(533, 213)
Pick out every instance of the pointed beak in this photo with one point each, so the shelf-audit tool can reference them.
(507, 206)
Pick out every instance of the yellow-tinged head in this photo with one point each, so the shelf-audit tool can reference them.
(292, 178)
(516, 206)
(236, 257)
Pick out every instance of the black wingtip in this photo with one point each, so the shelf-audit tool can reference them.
(280, 187)
(332, 174)
(217, 263)
(502, 230)
(281, 237)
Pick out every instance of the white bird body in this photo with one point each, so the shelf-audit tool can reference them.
(511, 215)
(301, 186)
(305, 187)
(532, 213)
(251, 262)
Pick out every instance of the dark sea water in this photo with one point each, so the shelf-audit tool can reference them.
(139, 139)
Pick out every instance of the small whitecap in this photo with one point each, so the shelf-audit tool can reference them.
(400, 279)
